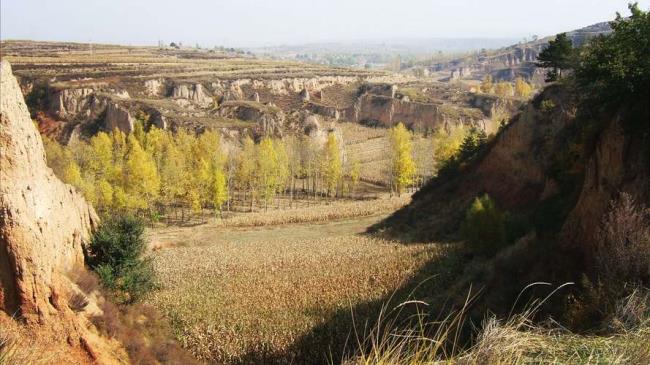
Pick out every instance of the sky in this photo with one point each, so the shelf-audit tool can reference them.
(253, 23)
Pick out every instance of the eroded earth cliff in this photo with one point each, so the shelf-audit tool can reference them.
(43, 226)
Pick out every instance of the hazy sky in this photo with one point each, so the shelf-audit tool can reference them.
(275, 22)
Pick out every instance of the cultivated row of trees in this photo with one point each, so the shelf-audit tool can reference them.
(143, 171)
(158, 170)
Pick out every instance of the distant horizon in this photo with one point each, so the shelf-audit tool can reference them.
(253, 24)
(352, 42)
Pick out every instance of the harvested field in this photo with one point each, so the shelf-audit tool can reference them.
(261, 295)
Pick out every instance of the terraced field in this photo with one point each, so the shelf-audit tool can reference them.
(370, 146)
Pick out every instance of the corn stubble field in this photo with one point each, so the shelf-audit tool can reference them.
(240, 295)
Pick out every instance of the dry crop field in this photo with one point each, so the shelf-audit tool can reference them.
(280, 293)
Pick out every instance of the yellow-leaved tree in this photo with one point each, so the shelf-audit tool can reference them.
(246, 174)
(142, 183)
(487, 84)
(267, 164)
(219, 190)
(402, 169)
(332, 166)
(355, 174)
(283, 166)
(503, 89)
(522, 88)
(446, 143)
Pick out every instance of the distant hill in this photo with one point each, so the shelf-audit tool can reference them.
(510, 62)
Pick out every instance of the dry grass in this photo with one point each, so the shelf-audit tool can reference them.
(319, 213)
(516, 340)
(12, 350)
(20, 347)
(145, 335)
(244, 300)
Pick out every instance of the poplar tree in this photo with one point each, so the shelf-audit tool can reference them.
(246, 170)
(141, 177)
(503, 89)
(101, 161)
(332, 169)
(219, 190)
(402, 164)
(522, 88)
(267, 163)
(446, 144)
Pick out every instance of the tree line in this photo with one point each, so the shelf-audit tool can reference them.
(158, 172)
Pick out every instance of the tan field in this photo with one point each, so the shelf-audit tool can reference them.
(238, 295)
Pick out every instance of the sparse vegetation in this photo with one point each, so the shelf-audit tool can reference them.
(145, 335)
(487, 84)
(503, 89)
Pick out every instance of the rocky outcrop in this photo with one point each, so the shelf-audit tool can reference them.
(153, 87)
(461, 73)
(43, 225)
(492, 106)
(387, 112)
(118, 117)
(514, 61)
(512, 170)
(324, 110)
(44, 221)
(311, 126)
(270, 120)
(304, 95)
(67, 104)
(195, 93)
(379, 89)
(617, 165)
(529, 165)
(158, 120)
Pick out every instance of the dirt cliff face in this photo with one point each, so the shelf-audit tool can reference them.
(519, 170)
(43, 224)
(616, 165)
(512, 171)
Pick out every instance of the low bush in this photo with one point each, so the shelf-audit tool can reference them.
(623, 251)
(484, 227)
(146, 336)
(116, 254)
(615, 296)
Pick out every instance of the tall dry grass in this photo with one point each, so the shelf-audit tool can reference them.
(514, 340)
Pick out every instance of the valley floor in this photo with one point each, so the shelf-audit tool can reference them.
(255, 289)
(238, 295)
